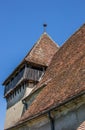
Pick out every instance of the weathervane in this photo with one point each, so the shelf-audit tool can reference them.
(44, 25)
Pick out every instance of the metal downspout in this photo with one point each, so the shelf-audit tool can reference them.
(51, 120)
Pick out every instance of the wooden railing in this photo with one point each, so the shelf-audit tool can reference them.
(26, 73)
(14, 81)
(33, 74)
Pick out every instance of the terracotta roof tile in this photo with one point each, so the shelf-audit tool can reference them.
(67, 74)
(43, 51)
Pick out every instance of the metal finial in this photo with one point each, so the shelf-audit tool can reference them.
(44, 25)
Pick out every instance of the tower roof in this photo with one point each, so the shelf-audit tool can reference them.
(41, 53)
(64, 78)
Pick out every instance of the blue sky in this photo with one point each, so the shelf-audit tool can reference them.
(21, 26)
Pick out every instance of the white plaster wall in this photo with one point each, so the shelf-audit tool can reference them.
(67, 120)
(29, 88)
(14, 112)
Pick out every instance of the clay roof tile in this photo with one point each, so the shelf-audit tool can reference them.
(67, 74)
(43, 51)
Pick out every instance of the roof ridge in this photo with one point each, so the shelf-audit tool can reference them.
(33, 47)
(51, 39)
(74, 33)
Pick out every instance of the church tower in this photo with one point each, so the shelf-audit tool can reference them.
(26, 75)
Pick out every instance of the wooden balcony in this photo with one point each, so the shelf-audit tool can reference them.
(32, 74)
(26, 73)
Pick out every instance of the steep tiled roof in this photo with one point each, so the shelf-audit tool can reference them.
(43, 51)
(65, 76)
(82, 126)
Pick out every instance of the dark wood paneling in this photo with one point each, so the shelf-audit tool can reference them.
(28, 73)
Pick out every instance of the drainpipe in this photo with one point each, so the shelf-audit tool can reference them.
(51, 120)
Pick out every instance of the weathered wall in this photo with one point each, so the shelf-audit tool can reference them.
(29, 88)
(71, 120)
(42, 123)
(67, 117)
(15, 106)
(13, 114)
(43, 127)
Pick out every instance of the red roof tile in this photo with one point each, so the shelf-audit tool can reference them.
(65, 76)
(43, 51)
